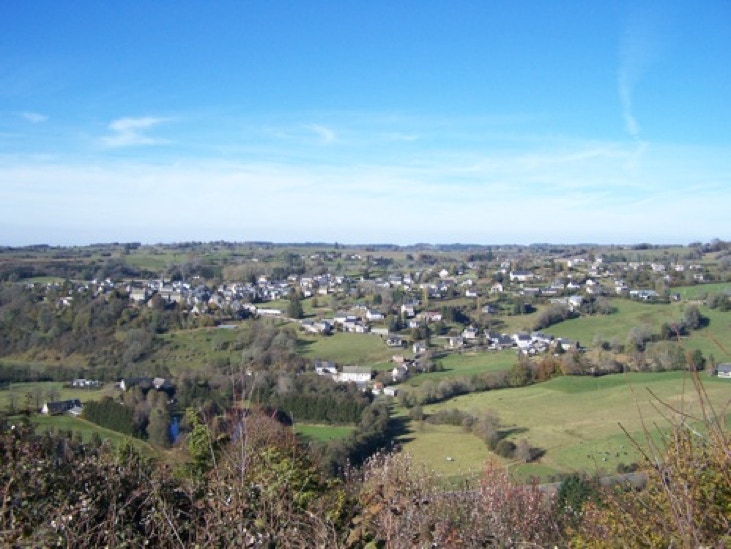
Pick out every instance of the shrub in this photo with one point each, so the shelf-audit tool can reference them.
(687, 499)
(505, 448)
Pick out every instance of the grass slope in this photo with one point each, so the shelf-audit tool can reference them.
(41, 389)
(575, 420)
(87, 428)
(350, 349)
(322, 433)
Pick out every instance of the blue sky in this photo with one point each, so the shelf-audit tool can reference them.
(415, 121)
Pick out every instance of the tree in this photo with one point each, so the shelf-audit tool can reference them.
(573, 492)
(521, 373)
(693, 319)
(523, 451)
(158, 430)
(294, 309)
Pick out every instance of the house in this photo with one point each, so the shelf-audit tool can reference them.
(455, 342)
(575, 302)
(501, 341)
(471, 292)
(408, 309)
(399, 373)
(316, 327)
(268, 312)
(418, 347)
(394, 341)
(325, 367)
(470, 332)
(522, 340)
(138, 295)
(61, 407)
(724, 370)
(520, 276)
(86, 383)
(644, 295)
(496, 288)
(431, 316)
(354, 374)
(372, 314)
(147, 383)
(566, 344)
(540, 337)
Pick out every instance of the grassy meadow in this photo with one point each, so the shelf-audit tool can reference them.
(322, 433)
(467, 363)
(574, 420)
(699, 291)
(39, 392)
(86, 429)
(348, 349)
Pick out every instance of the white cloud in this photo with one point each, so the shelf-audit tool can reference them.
(131, 132)
(34, 117)
(637, 51)
(583, 192)
(324, 133)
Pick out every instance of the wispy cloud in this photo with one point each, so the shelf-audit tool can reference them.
(34, 117)
(637, 51)
(131, 132)
(326, 134)
(584, 190)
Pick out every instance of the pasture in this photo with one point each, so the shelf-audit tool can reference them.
(574, 420)
(468, 363)
(322, 433)
(35, 394)
(700, 291)
(629, 314)
(86, 429)
(348, 349)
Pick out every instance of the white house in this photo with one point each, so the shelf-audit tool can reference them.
(354, 374)
(521, 276)
(372, 314)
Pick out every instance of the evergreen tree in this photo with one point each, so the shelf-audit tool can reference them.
(158, 430)
(294, 310)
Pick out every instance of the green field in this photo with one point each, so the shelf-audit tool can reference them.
(468, 363)
(350, 349)
(39, 394)
(432, 445)
(629, 314)
(86, 429)
(154, 261)
(701, 290)
(322, 433)
(575, 420)
(713, 339)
